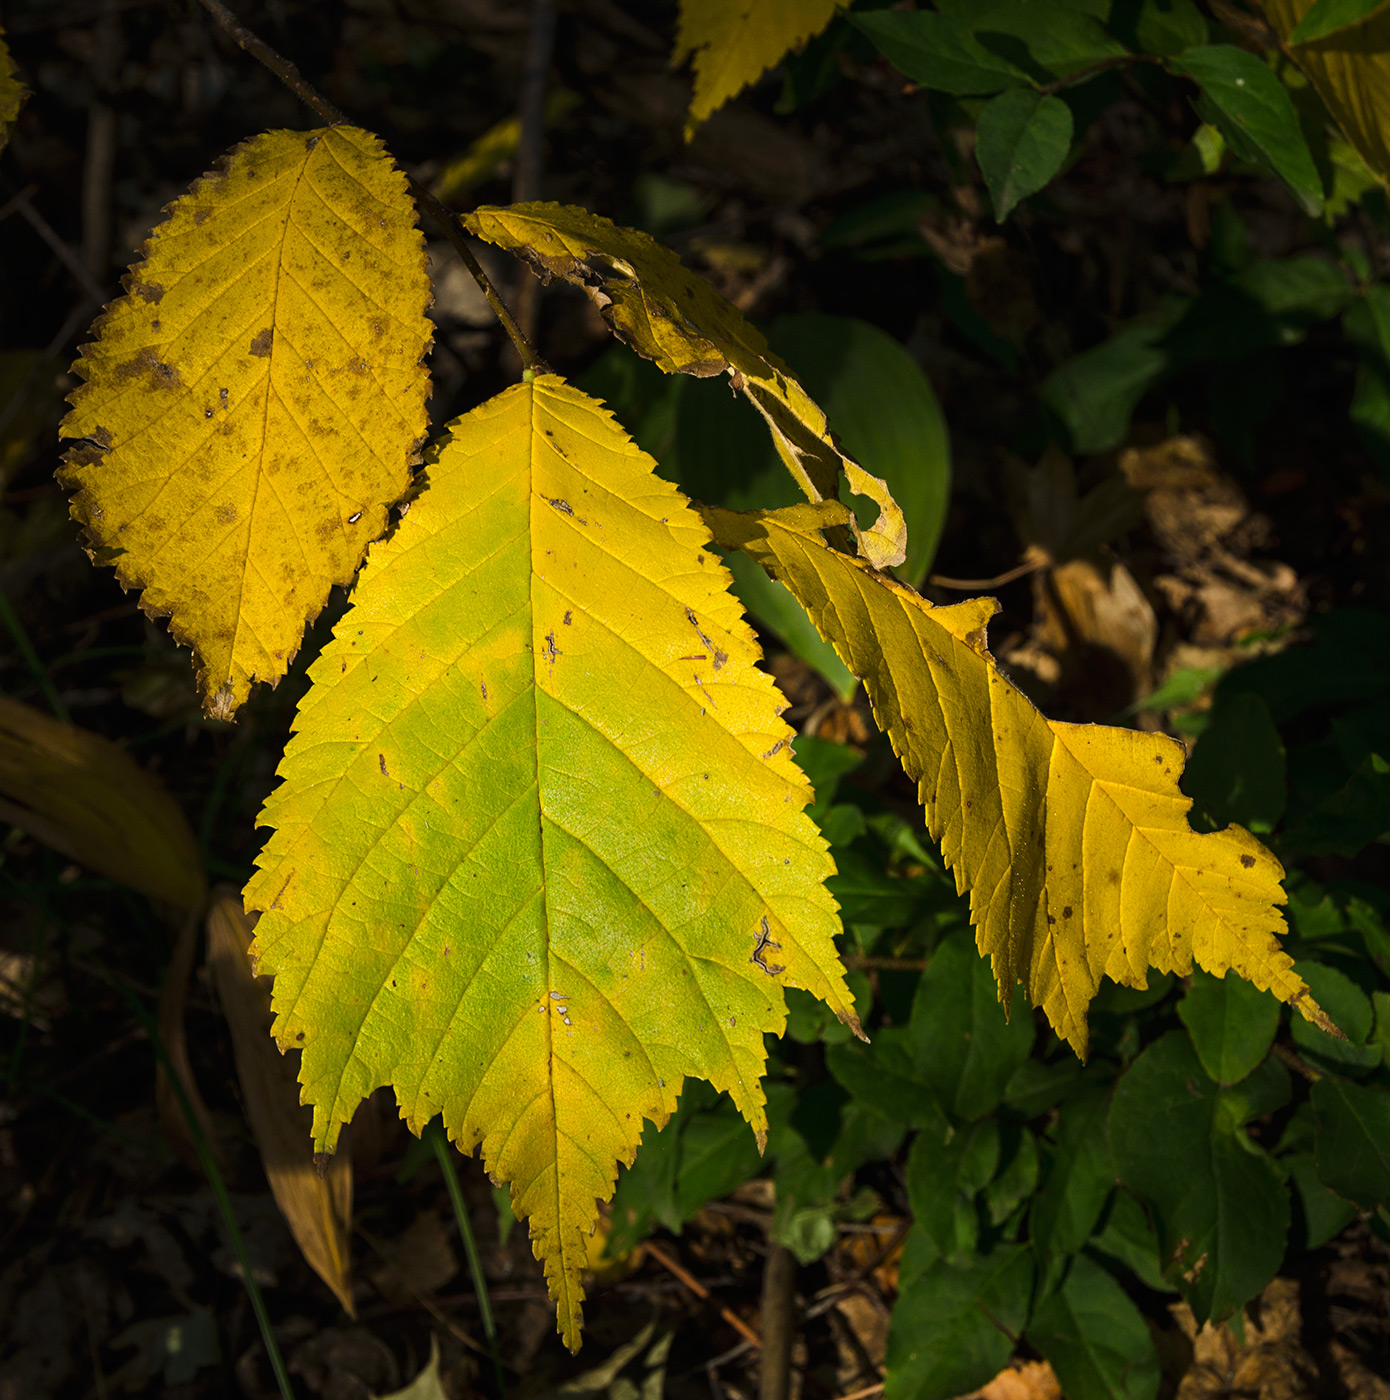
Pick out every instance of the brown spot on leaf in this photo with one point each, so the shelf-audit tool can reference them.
(201, 215)
(148, 291)
(260, 345)
(1247, 861)
(225, 513)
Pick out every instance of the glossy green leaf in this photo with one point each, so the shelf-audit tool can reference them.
(1021, 140)
(962, 1043)
(953, 1329)
(1237, 773)
(1328, 16)
(1232, 1024)
(1220, 1205)
(1354, 1140)
(1255, 114)
(1096, 1339)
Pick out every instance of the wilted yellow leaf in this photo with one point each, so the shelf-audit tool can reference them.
(253, 402)
(89, 800)
(12, 93)
(1351, 71)
(734, 42)
(679, 322)
(317, 1206)
(540, 849)
(1072, 839)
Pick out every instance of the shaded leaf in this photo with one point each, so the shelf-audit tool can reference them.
(1238, 773)
(676, 319)
(734, 42)
(1353, 1150)
(1096, 1339)
(1232, 1024)
(539, 847)
(938, 51)
(1068, 837)
(1255, 113)
(1160, 26)
(953, 1329)
(1219, 1201)
(1325, 1214)
(964, 1046)
(1349, 818)
(945, 1172)
(253, 402)
(1128, 1237)
(1076, 1184)
(1350, 1010)
(427, 1385)
(1021, 140)
(91, 802)
(317, 1205)
(1351, 71)
(1329, 16)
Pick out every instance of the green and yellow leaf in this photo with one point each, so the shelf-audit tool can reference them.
(539, 847)
(734, 42)
(1351, 71)
(1072, 839)
(89, 800)
(254, 401)
(12, 92)
(677, 320)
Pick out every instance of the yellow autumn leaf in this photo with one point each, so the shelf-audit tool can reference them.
(734, 42)
(539, 847)
(1351, 71)
(1072, 839)
(12, 92)
(677, 320)
(91, 801)
(253, 402)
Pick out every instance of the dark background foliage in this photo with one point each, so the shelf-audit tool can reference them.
(1167, 392)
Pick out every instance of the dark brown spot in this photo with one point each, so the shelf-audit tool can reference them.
(201, 215)
(261, 344)
(148, 291)
(1066, 911)
(1247, 861)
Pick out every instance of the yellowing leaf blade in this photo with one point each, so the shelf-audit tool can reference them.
(734, 42)
(539, 848)
(253, 404)
(12, 92)
(1351, 71)
(1072, 840)
(678, 321)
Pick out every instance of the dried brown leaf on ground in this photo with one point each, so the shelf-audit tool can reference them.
(316, 1205)
(1271, 1363)
(1021, 1380)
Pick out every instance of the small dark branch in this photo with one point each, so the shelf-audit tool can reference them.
(528, 172)
(778, 1323)
(281, 67)
(448, 223)
(966, 585)
(1091, 69)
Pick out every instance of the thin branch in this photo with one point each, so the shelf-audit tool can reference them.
(448, 223)
(966, 585)
(655, 1251)
(77, 269)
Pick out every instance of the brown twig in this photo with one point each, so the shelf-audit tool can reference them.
(1030, 566)
(703, 1293)
(530, 148)
(778, 1321)
(65, 255)
(867, 962)
(448, 223)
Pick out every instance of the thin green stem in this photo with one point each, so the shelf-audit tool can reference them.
(31, 659)
(219, 1191)
(440, 1142)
